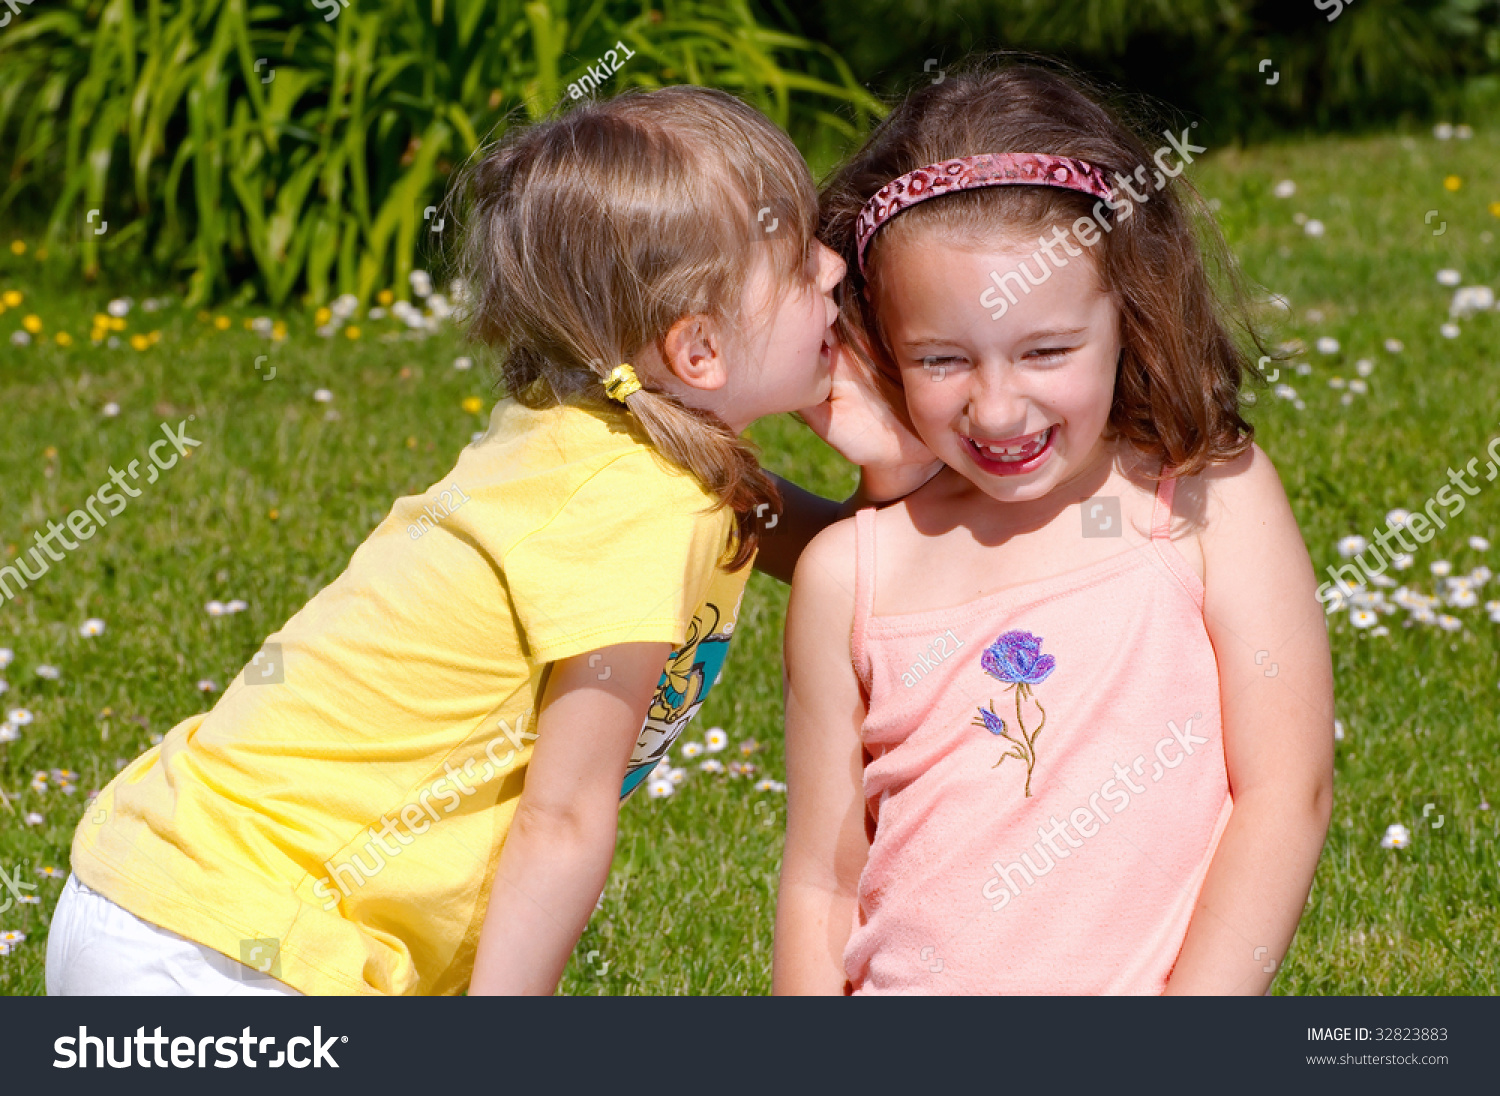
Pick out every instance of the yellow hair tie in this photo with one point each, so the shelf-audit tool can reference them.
(621, 382)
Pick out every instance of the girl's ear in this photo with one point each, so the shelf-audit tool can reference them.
(694, 351)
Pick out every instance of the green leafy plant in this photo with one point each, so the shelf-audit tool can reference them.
(272, 145)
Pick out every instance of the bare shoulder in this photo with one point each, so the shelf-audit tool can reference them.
(1238, 497)
(825, 570)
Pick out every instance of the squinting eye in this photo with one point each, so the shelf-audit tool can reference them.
(1052, 351)
(938, 367)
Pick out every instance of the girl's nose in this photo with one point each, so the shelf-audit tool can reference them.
(831, 268)
(996, 410)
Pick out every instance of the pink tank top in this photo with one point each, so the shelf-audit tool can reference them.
(1096, 692)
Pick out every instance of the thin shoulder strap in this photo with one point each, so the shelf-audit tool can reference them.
(1161, 537)
(864, 591)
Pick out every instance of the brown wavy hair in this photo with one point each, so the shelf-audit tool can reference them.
(1177, 388)
(589, 235)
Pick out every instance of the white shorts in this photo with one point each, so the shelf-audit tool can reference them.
(96, 948)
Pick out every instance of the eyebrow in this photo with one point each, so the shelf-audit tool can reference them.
(1047, 333)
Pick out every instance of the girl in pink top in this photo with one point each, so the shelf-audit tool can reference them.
(1061, 720)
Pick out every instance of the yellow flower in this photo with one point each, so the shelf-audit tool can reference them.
(155, 337)
(41, 253)
(50, 452)
(322, 316)
(18, 247)
(1452, 182)
(12, 298)
(385, 297)
(249, 323)
(473, 405)
(32, 323)
(63, 338)
(101, 320)
(117, 323)
(411, 443)
(274, 514)
(221, 322)
(278, 330)
(351, 332)
(139, 342)
(1495, 208)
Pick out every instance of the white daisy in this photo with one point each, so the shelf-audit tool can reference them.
(208, 685)
(660, 787)
(1380, 630)
(1338, 730)
(1302, 369)
(91, 627)
(9, 732)
(236, 606)
(1448, 276)
(1470, 299)
(215, 608)
(322, 395)
(676, 776)
(716, 739)
(19, 716)
(1351, 546)
(1383, 580)
(712, 765)
(1358, 387)
(1441, 568)
(34, 819)
(1479, 544)
(1402, 560)
(1285, 392)
(1480, 575)
(1284, 189)
(769, 785)
(1396, 836)
(692, 749)
(110, 410)
(421, 282)
(7, 656)
(463, 364)
(1362, 618)
(1450, 623)
(1450, 331)
(1313, 228)
(118, 307)
(1328, 345)
(48, 673)
(1443, 131)
(1364, 367)
(344, 305)
(1394, 346)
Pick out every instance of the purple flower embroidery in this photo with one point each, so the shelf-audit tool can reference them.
(1016, 658)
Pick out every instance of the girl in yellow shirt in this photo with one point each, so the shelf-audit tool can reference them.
(414, 786)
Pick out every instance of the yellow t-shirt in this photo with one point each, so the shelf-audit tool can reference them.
(347, 798)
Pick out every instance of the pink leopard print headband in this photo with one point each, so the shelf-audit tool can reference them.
(968, 172)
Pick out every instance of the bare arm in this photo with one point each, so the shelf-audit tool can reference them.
(561, 841)
(826, 845)
(1278, 733)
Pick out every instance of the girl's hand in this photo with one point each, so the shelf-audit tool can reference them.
(857, 421)
(556, 856)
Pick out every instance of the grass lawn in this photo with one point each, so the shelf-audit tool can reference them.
(285, 486)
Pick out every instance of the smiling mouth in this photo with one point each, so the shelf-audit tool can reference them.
(1013, 454)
